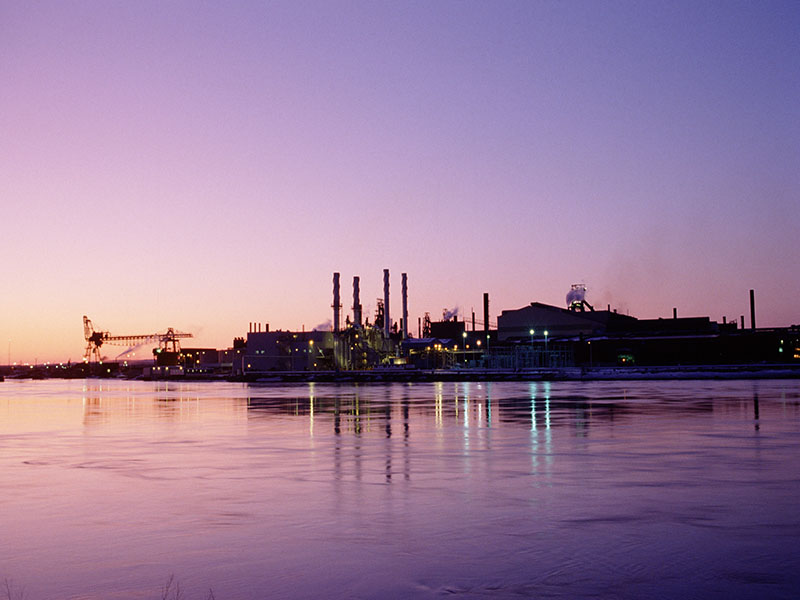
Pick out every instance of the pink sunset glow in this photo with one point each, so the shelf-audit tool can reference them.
(202, 166)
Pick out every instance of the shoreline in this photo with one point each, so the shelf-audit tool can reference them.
(698, 372)
(402, 375)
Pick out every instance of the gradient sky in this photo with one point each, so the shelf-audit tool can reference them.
(201, 165)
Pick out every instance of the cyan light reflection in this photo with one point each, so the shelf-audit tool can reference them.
(547, 405)
(536, 449)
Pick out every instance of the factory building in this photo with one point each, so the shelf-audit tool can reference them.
(287, 351)
(545, 335)
(518, 324)
(354, 344)
(536, 336)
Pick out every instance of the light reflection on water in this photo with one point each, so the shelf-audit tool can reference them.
(607, 489)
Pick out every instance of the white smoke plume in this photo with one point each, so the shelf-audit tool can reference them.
(326, 326)
(135, 353)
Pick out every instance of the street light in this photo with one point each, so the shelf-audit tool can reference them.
(547, 356)
(464, 335)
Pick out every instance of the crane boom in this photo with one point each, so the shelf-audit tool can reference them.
(95, 339)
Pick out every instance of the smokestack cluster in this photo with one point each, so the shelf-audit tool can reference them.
(337, 304)
(357, 308)
(356, 302)
(404, 277)
(486, 313)
(387, 322)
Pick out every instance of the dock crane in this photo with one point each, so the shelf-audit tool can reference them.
(168, 342)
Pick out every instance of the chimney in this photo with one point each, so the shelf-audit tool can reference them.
(387, 323)
(674, 313)
(486, 313)
(752, 309)
(356, 302)
(337, 304)
(404, 277)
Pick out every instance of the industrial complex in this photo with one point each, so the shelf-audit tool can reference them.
(533, 341)
(536, 340)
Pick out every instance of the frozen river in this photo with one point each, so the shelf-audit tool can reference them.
(470, 490)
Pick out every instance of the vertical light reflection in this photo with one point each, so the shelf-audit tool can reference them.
(534, 432)
(465, 387)
(488, 404)
(437, 391)
(311, 391)
(440, 386)
(356, 413)
(548, 435)
(406, 457)
(466, 421)
(547, 405)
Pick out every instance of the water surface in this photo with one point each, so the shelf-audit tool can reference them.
(503, 490)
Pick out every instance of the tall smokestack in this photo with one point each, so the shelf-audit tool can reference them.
(356, 301)
(337, 304)
(486, 313)
(387, 323)
(674, 313)
(752, 309)
(404, 280)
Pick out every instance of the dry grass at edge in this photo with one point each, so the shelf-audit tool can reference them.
(171, 590)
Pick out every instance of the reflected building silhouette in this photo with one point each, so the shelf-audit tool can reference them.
(360, 417)
(112, 403)
(756, 423)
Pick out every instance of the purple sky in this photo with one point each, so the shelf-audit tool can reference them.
(202, 165)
